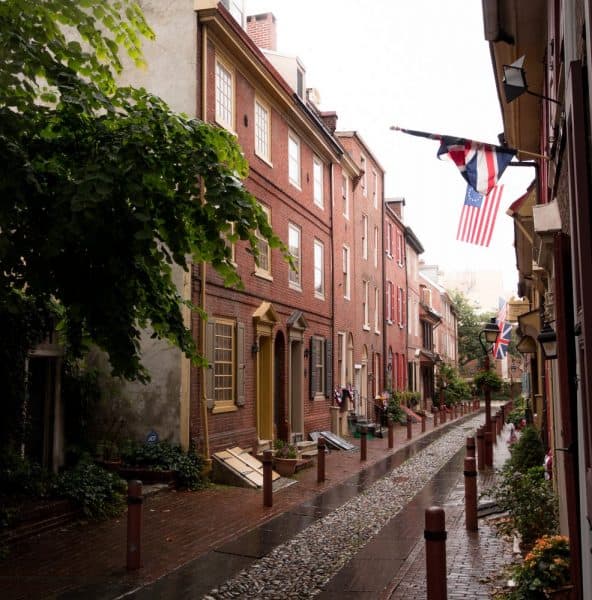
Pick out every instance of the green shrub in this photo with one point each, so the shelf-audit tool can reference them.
(488, 379)
(393, 409)
(528, 451)
(531, 505)
(19, 476)
(165, 456)
(99, 493)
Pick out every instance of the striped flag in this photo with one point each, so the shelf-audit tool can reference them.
(478, 215)
(500, 348)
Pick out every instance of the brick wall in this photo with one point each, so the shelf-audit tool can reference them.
(262, 30)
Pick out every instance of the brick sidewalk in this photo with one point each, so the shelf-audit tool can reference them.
(177, 527)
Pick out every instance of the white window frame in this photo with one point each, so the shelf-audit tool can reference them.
(346, 272)
(375, 247)
(265, 250)
(262, 130)
(366, 325)
(365, 237)
(375, 189)
(389, 240)
(345, 195)
(224, 99)
(400, 315)
(388, 300)
(321, 366)
(317, 179)
(319, 269)
(294, 162)
(295, 277)
(221, 366)
(376, 312)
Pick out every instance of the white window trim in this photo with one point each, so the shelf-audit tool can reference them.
(293, 284)
(222, 406)
(365, 237)
(375, 247)
(218, 118)
(293, 137)
(366, 325)
(347, 257)
(267, 108)
(375, 189)
(363, 165)
(376, 305)
(318, 199)
(259, 271)
(318, 244)
(345, 198)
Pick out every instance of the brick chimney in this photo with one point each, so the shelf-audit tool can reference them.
(330, 120)
(262, 30)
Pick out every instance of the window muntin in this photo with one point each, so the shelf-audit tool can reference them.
(294, 247)
(374, 189)
(319, 269)
(376, 312)
(264, 267)
(345, 195)
(365, 305)
(224, 359)
(365, 237)
(346, 273)
(364, 175)
(224, 95)
(388, 299)
(262, 130)
(318, 365)
(376, 247)
(294, 159)
(317, 176)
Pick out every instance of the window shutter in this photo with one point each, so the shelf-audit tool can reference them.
(240, 364)
(328, 367)
(209, 383)
(312, 371)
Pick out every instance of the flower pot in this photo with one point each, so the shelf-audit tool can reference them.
(285, 466)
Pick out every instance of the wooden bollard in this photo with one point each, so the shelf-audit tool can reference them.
(423, 423)
(436, 416)
(443, 414)
(488, 437)
(409, 428)
(135, 502)
(391, 434)
(470, 494)
(267, 478)
(480, 449)
(363, 442)
(470, 446)
(321, 460)
(435, 550)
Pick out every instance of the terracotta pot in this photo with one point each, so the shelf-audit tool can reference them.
(285, 466)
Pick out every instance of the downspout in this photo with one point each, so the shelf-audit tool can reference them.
(407, 319)
(202, 199)
(333, 338)
(383, 329)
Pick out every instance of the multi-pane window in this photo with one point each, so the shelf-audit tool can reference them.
(376, 247)
(388, 299)
(374, 189)
(318, 365)
(224, 349)
(364, 236)
(345, 195)
(365, 306)
(376, 313)
(364, 176)
(317, 176)
(264, 266)
(400, 307)
(346, 273)
(295, 251)
(400, 248)
(389, 240)
(262, 130)
(319, 269)
(294, 159)
(224, 95)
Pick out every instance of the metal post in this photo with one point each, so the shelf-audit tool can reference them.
(470, 446)
(267, 478)
(443, 414)
(363, 442)
(435, 550)
(135, 502)
(435, 417)
(423, 423)
(321, 460)
(391, 434)
(480, 449)
(470, 494)
(409, 429)
(488, 448)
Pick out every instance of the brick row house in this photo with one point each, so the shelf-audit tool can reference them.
(292, 351)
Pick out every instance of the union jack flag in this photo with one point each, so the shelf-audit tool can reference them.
(500, 348)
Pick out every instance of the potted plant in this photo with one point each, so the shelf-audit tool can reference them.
(285, 458)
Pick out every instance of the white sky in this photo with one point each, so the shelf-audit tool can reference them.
(421, 65)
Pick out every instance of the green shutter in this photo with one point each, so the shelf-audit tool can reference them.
(209, 383)
(328, 367)
(240, 364)
(312, 372)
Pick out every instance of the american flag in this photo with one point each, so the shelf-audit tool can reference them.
(480, 164)
(500, 348)
(477, 218)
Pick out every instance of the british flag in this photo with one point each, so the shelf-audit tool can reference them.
(500, 348)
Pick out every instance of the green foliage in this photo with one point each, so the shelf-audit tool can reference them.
(99, 493)
(454, 388)
(393, 409)
(544, 569)
(284, 450)
(518, 412)
(470, 324)
(20, 477)
(165, 456)
(100, 187)
(531, 505)
(528, 451)
(487, 379)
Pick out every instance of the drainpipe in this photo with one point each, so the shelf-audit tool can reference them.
(204, 400)
(332, 194)
(384, 345)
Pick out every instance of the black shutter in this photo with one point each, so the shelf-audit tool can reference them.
(328, 367)
(312, 371)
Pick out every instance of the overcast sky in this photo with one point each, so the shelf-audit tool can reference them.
(420, 65)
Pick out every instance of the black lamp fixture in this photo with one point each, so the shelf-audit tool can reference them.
(490, 333)
(254, 348)
(547, 338)
(515, 82)
(306, 353)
